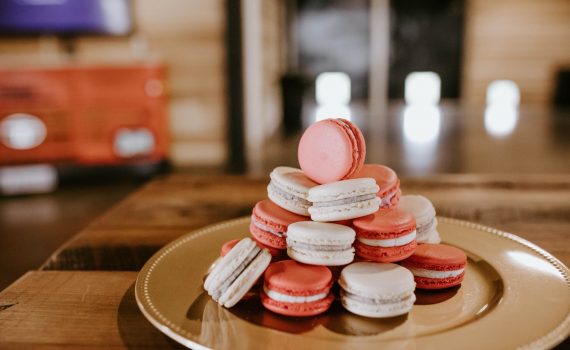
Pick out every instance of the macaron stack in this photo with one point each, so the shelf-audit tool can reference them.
(322, 216)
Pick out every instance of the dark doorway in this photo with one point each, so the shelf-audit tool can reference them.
(334, 36)
(426, 35)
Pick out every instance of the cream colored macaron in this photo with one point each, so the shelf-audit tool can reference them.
(344, 200)
(424, 212)
(376, 289)
(319, 243)
(234, 275)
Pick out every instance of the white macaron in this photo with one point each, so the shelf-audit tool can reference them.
(424, 212)
(377, 290)
(234, 275)
(319, 243)
(344, 200)
(289, 189)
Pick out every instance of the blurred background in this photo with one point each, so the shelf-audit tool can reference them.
(99, 96)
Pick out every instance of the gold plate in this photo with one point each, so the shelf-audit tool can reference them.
(514, 295)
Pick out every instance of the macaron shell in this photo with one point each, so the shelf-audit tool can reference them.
(360, 145)
(293, 206)
(289, 189)
(239, 288)
(292, 180)
(297, 309)
(377, 281)
(385, 177)
(345, 212)
(273, 216)
(380, 310)
(343, 189)
(312, 232)
(267, 238)
(276, 254)
(323, 258)
(384, 255)
(438, 283)
(317, 235)
(432, 237)
(297, 279)
(229, 263)
(385, 223)
(389, 289)
(437, 257)
(419, 206)
(327, 151)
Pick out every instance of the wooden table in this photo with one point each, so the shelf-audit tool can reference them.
(83, 295)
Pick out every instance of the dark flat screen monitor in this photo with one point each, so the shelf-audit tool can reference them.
(65, 17)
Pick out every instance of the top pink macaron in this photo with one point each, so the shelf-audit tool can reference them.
(331, 150)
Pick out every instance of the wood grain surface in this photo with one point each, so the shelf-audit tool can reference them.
(76, 309)
(97, 309)
(534, 207)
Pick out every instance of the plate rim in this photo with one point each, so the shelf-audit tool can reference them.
(549, 340)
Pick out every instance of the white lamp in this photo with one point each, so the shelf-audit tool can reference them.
(422, 88)
(332, 88)
(500, 120)
(421, 124)
(501, 114)
(504, 92)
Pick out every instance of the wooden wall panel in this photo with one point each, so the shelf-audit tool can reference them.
(523, 40)
(272, 39)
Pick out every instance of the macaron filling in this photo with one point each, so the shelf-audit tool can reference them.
(434, 273)
(344, 201)
(275, 189)
(369, 307)
(390, 242)
(265, 228)
(329, 248)
(377, 301)
(386, 200)
(296, 299)
(218, 292)
(427, 227)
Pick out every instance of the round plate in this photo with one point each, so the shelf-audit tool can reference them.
(514, 295)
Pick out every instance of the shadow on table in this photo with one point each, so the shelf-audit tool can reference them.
(136, 332)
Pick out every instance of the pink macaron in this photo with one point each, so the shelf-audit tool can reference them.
(331, 150)
(436, 266)
(269, 224)
(386, 179)
(388, 235)
(295, 289)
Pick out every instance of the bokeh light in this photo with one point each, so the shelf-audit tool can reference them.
(422, 88)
